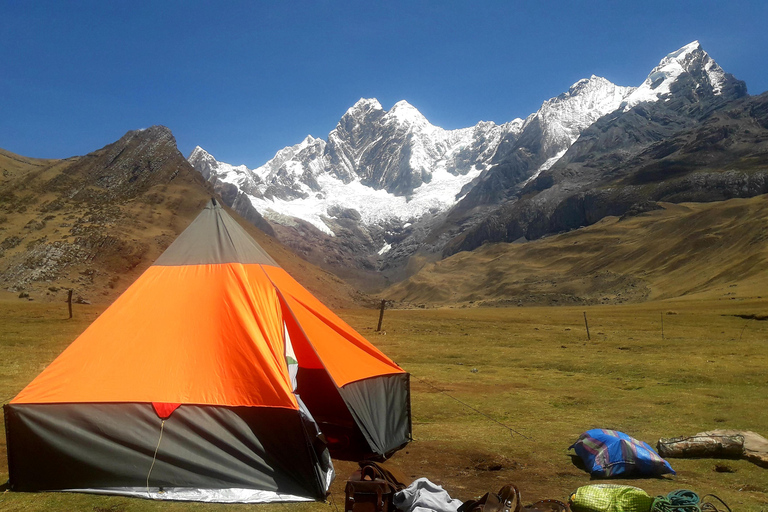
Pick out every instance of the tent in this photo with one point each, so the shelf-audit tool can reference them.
(214, 377)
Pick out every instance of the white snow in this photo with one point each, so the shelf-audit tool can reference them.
(546, 165)
(438, 154)
(319, 175)
(374, 206)
(385, 249)
(688, 58)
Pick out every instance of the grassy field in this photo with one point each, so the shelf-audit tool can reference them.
(713, 249)
(531, 369)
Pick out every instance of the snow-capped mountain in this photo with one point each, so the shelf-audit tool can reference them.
(385, 165)
(669, 141)
(544, 137)
(562, 119)
(395, 165)
(690, 62)
(384, 182)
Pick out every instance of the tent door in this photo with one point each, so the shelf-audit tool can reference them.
(322, 398)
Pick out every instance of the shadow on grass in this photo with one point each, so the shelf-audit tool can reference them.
(5, 487)
(576, 460)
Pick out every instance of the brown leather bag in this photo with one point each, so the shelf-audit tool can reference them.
(372, 469)
(372, 488)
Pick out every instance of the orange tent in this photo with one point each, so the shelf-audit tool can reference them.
(211, 378)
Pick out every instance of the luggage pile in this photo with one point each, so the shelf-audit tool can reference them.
(376, 487)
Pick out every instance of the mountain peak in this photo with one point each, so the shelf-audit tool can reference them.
(689, 48)
(198, 152)
(405, 113)
(363, 106)
(589, 83)
(692, 62)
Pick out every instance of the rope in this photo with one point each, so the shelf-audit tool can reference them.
(512, 431)
(706, 506)
(333, 502)
(681, 500)
(154, 457)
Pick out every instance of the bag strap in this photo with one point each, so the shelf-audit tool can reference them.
(510, 499)
(393, 476)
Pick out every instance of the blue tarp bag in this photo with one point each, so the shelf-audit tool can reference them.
(609, 453)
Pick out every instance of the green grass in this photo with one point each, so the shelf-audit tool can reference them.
(531, 369)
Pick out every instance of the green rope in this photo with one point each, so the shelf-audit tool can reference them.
(681, 500)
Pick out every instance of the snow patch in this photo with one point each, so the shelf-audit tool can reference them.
(687, 59)
(545, 166)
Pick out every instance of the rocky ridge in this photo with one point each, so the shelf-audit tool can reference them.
(701, 140)
(93, 223)
(377, 187)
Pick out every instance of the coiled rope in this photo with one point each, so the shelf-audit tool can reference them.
(681, 500)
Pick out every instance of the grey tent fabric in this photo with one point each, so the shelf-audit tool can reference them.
(381, 408)
(214, 237)
(78, 446)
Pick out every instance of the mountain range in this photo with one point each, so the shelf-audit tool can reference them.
(390, 200)
(387, 192)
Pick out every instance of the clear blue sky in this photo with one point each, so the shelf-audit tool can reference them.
(244, 79)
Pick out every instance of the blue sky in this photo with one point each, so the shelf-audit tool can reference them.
(245, 79)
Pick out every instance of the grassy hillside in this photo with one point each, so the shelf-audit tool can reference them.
(95, 223)
(706, 249)
(531, 369)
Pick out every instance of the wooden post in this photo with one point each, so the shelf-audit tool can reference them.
(586, 325)
(381, 314)
(69, 302)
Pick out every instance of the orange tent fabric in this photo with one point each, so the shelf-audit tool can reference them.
(196, 334)
(205, 325)
(359, 359)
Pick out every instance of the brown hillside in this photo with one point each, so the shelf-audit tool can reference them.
(95, 223)
(711, 249)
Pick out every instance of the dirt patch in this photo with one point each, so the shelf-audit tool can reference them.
(759, 318)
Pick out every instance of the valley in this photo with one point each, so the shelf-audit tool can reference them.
(531, 369)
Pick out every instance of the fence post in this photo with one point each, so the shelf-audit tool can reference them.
(586, 325)
(381, 314)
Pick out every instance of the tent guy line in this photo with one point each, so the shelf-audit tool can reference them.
(512, 431)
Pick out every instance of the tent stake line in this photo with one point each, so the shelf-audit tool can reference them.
(510, 429)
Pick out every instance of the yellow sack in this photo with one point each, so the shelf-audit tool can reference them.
(610, 498)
